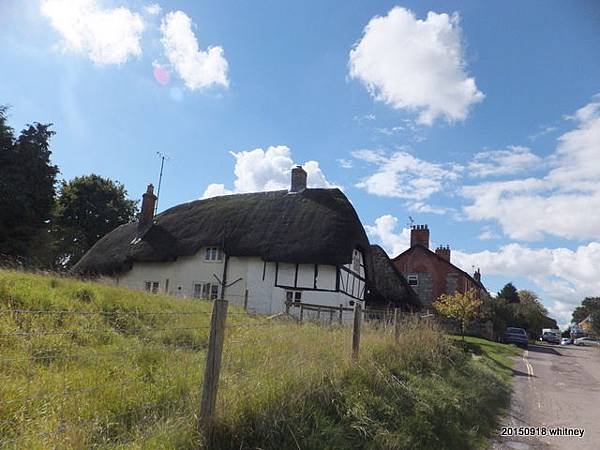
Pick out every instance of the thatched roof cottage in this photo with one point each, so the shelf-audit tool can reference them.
(259, 249)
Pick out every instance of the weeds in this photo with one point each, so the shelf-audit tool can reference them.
(134, 380)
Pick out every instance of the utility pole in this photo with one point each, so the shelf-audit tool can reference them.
(162, 157)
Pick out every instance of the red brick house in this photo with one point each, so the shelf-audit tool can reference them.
(432, 274)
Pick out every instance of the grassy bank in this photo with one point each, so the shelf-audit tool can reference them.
(125, 372)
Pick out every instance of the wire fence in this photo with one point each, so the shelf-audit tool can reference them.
(87, 379)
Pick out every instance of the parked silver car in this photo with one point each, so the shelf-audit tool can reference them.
(565, 341)
(550, 337)
(587, 341)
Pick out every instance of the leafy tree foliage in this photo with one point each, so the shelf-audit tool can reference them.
(531, 314)
(588, 306)
(27, 180)
(499, 312)
(87, 208)
(461, 307)
(528, 313)
(509, 293)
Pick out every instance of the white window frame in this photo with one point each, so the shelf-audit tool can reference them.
(151, 286)
(356, 265)
(295, 297)
(414, 278)
(213, 254)
(205, 291)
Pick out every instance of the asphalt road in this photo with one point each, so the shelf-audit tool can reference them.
(555, 386)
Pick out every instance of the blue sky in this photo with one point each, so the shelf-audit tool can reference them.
(480, 119)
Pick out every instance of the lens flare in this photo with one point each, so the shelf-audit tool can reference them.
(162, 75)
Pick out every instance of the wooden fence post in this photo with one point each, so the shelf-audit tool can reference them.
(287, 307)
(301, 312)
(341, 313)
(213, 366)
(356, 330)
(397, 316)
(246, 300)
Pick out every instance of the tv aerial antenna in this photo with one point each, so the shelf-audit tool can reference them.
(410, 222)
(163, 157)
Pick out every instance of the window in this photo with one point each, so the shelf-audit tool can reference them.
(213, 254)
(356, 261)
(206, 290)
(151, 286)
(413, 280)
(293, 297)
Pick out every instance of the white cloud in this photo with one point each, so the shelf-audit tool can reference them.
(563, 202)
(384, 231)
(542, 131)
(416, 64)
(402, 175)
(267, 170)
(106, 36)
(345, 163)
(487, 235)
(562, 276)
(153, 9)
(510, 161)
(197, 68)
(425, 208)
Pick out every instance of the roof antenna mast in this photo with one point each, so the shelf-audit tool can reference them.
(162, 157)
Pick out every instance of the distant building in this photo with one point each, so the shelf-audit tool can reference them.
(586, 325)
(432, 274)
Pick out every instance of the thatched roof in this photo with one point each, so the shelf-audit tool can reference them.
(313, 226)
(388, 285)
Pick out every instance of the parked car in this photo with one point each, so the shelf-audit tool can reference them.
(517, 336)
(550, 337)
(588, 341)
(565, 341)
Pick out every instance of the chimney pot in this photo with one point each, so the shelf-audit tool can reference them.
(444, 252)
(298, 179)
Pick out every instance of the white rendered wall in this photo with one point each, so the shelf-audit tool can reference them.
(254, 275)
(182, 274)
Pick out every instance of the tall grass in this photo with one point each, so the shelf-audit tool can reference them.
(121, 377)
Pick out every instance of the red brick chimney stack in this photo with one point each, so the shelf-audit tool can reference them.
(477, 275)
(419, 235)
(444, 252)
(148, 202)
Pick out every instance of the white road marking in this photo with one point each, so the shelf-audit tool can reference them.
(528, 366)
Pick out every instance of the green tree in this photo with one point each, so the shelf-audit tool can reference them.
(87, 208)
(509, 293)
(499, 312)
(27, 180)
(531, 314)
(595, 316)
(463, 308)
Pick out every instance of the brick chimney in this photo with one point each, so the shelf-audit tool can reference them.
(298, 179)
(148, 202)
(477, 275)
(444, 252)
(419, 234)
